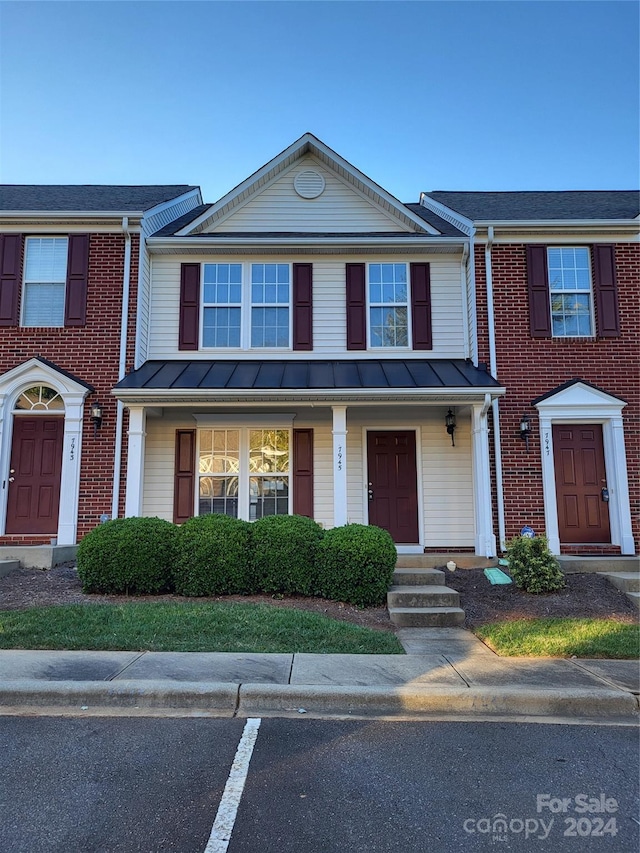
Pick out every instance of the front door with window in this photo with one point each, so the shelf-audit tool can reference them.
(34, 478)
(392, 484)
(583, 512)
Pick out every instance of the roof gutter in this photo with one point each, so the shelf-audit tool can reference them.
(304, 240)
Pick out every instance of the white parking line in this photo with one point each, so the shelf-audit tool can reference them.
(228, 808)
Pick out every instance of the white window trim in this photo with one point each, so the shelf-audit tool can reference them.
(243, 452)
(246, 305)
(25, 282)
(592, 318)
(370, 346)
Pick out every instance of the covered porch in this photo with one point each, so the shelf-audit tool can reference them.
(380, 454)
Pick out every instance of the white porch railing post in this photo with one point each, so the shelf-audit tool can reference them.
(135, 461)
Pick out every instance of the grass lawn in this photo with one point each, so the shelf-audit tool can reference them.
(584, 638)
(211, 627)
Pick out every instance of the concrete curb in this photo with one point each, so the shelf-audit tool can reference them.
(209, 696)
(229, 699)
(408, 700)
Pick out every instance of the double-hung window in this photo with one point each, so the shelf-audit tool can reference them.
(222, 301)
(244, 472)
(570, 291)
(388, 295)
(45, 275)
(246, 306)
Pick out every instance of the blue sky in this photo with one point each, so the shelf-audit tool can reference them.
(418, 95)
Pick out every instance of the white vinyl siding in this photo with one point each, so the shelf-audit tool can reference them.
(340, 208)
(329, 308)
(445, 482)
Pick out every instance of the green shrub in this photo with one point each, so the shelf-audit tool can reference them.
(133, 556)
(533, 566)
(285, 554)
(213, 556)
(356, 564)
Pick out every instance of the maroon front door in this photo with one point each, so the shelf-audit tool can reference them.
(583, 514)
(34, 479)
(393, 487)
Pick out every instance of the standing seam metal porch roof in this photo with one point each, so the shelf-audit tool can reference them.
(304, 375)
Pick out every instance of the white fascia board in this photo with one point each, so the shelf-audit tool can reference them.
(347, 396)
(446, 213)
(159, 243)
(555, 223)
(74, 214)
(309, 143)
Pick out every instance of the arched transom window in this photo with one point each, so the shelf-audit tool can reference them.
(40, 398)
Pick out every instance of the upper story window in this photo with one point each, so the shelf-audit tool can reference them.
(388, 305)
(570, 286)
(45, 276)
(246, 305)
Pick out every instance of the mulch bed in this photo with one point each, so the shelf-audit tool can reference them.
(586, 595)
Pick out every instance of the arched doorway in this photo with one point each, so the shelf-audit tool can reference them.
(33, 498)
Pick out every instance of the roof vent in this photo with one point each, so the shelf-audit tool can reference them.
(309, 184)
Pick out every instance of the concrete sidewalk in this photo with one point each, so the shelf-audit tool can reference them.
(446, 673)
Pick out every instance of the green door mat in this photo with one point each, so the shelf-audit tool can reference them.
(496, 576)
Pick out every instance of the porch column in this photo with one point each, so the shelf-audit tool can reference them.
(549, 485)
(618, 482)
(135, 460)
(70, 475)
(339, 433)
(485, 538)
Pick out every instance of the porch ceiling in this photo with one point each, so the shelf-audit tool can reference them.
(392, 380)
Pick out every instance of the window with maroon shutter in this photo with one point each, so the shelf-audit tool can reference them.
(303, 306)
(421, 306)
(303, 472)
(75, 305)
(356, 307)
(184, 475)
(604, 279)
(10, 275)
(538, 282)
(189, 325)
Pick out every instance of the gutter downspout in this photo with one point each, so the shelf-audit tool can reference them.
(493, 367)
(463, 287)
(474, 307)
(122, 365)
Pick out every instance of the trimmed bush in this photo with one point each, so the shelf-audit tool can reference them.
(356, 564)
(285, 551)
(133, 556)
(533, 566)
(213, 556)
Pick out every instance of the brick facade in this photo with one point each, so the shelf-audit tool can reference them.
(529, 367)
(91, 354)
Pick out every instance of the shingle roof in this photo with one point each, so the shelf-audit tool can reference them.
(305, 375)
(87, 197)
(444, 227)
(534, 205)
(173, 227)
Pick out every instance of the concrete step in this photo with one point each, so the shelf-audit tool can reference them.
(7, 566)
(626, 581)
(463, 560)
(417, 577)
(634, 598)
(430, 595)
(426, 617)
(571, 564)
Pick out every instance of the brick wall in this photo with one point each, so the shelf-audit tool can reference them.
(90, 353)
(529, 367)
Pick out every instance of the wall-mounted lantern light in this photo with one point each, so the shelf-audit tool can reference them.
(96, 417)
(525, 429)
(450, 421)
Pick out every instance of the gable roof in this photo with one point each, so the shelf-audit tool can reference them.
(87, 197)
(540, 205)
(310, 144)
